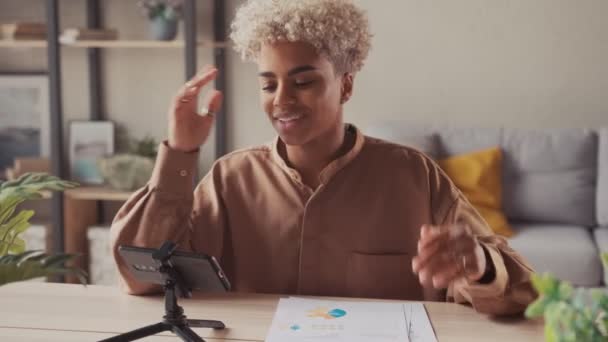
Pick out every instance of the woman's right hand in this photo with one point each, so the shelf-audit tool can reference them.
(189, 129)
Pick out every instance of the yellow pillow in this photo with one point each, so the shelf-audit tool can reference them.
(478, 176)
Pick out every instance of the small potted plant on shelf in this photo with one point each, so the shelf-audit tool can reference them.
(131, 170)
(17, 264)
(163, 15)
(570, 314)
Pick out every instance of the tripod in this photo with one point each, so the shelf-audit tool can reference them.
(174, 318)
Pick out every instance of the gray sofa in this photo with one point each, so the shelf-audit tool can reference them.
(555, 188)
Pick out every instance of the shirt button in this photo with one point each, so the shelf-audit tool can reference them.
(183, 173)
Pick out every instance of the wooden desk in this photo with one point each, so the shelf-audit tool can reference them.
(45, 335)
(69, 312)
(80, 213)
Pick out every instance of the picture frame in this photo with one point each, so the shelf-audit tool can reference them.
(24, 117)
(89, 141)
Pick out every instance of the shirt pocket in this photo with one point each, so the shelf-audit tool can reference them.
(387, 276)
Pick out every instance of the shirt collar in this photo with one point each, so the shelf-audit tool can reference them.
(333, 167)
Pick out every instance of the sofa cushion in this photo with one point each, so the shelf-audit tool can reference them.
(566, 251)
(550, 175)
(602, 179)
(601, 239)
(451, 140)
(422, 139)
(478, 176)
(460, 140)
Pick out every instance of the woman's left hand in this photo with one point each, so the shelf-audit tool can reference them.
(447, 253)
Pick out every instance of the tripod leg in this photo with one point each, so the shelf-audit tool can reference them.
(140, 333)
(205, 323)
(186, 334)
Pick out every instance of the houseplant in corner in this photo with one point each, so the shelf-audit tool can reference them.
(570, 314)
(163, 15)
(17, 264)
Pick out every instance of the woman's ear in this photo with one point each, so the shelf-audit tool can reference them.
(347, 87)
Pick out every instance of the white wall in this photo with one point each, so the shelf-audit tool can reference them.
(472, 62)
(513, 62)
(518, 63)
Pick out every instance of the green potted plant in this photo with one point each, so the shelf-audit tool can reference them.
(570, 314)
(17, 263)
(131, 170)
(163, 15)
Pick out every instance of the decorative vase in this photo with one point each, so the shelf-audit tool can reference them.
(163, 29)
(126, 171)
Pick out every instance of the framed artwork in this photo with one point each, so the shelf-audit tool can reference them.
(24, 117)
(89, 142)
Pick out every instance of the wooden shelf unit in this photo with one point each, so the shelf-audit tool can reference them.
(121, 44)
(97, 193)
(93, 193)
(21, 44)
(81, 212)
(77, 209)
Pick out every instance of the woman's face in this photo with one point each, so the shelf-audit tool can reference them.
(300, 92)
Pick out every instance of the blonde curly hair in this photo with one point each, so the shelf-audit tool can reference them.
(336, 28)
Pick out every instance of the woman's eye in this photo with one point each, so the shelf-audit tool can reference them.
(268, 87)
(303, 83)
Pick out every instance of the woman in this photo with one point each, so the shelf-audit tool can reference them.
(322, 210)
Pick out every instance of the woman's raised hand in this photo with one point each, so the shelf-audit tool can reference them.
(189, 125)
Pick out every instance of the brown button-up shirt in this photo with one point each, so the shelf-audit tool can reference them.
(355, 235)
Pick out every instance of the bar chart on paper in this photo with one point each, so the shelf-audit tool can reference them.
(300, 319)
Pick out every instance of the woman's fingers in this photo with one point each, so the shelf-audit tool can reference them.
(187, 129)
(426, 252)
(446, 253)
(441, 269)
(211, 103)
(442, 277)
(186, 104)
(428, 234)
(437, 263)
(201, 79)
(193, 81)
(433, 239)
(189, 91)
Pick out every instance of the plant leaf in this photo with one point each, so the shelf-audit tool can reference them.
(31, 183)
(16, 246)
(9, 240)
(8, 206)
(536, 308)
(569, 314)
(57, 260)
(16, 264)
(564, 290)
(25, 266)
(544, 283)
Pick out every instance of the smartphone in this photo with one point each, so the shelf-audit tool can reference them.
(199, 271)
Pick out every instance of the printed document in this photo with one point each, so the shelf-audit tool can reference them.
(301, 319)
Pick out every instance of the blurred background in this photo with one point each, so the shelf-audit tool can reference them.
(515, 64)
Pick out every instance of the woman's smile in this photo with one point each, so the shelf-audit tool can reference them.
(288, 121)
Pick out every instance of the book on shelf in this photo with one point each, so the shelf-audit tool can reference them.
(72, 35)
(23, 31)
